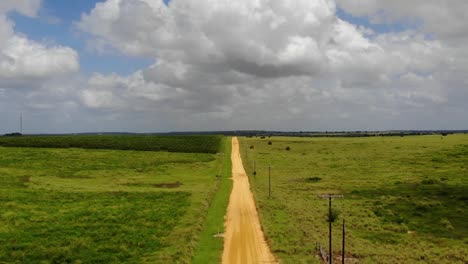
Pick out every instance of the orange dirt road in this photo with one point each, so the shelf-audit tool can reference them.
(243, 239)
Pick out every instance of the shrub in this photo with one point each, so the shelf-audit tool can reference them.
(379, 212)
(269, 143)
(399, 219)
(446, 223)
(429, 182)
(251, 147)
(288, 148)
(13, 135)
(314, 179)
(335, 214)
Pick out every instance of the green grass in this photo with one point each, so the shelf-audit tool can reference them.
(187, 144)
(62, 227)
(405, 198)
(210, 248)
(103, 206)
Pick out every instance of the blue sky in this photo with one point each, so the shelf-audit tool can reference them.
(378, 28)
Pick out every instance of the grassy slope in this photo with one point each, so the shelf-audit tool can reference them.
(95, 206)
(405, 198)
(211, 248)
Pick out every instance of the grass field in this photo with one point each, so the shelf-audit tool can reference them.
(405, 197)
(210, 246)
(185, 144)
(105, 206)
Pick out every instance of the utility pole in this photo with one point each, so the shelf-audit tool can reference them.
(330, 197)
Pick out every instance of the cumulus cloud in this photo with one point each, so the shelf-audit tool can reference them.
(24, 7)
(254, 64)
(21, 58)
(287, 61)
(198, 44)
(254, 37)
(35, 78)
(116, 92)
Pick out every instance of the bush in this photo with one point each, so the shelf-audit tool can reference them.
(288, 148)
(314, 179)
(269, 143)
(13, 135)
(429, 182)
(251, 147)
(335, 214)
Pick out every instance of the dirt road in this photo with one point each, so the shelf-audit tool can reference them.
(243, 240)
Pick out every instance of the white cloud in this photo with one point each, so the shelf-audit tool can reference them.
(222, 51)
(22, 59)
(265, 64)
(24, 7)
(446, 19)
(131, 26)
(35, 78)
(116, 92)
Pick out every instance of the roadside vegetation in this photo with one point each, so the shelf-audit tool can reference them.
(76, 205)
(187, 144)
(405, 198)
(210, 246)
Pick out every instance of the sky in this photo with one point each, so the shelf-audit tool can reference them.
(73, 66)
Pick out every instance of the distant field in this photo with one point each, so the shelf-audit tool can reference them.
(105, 206)
(186, 144)
(405, 197)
